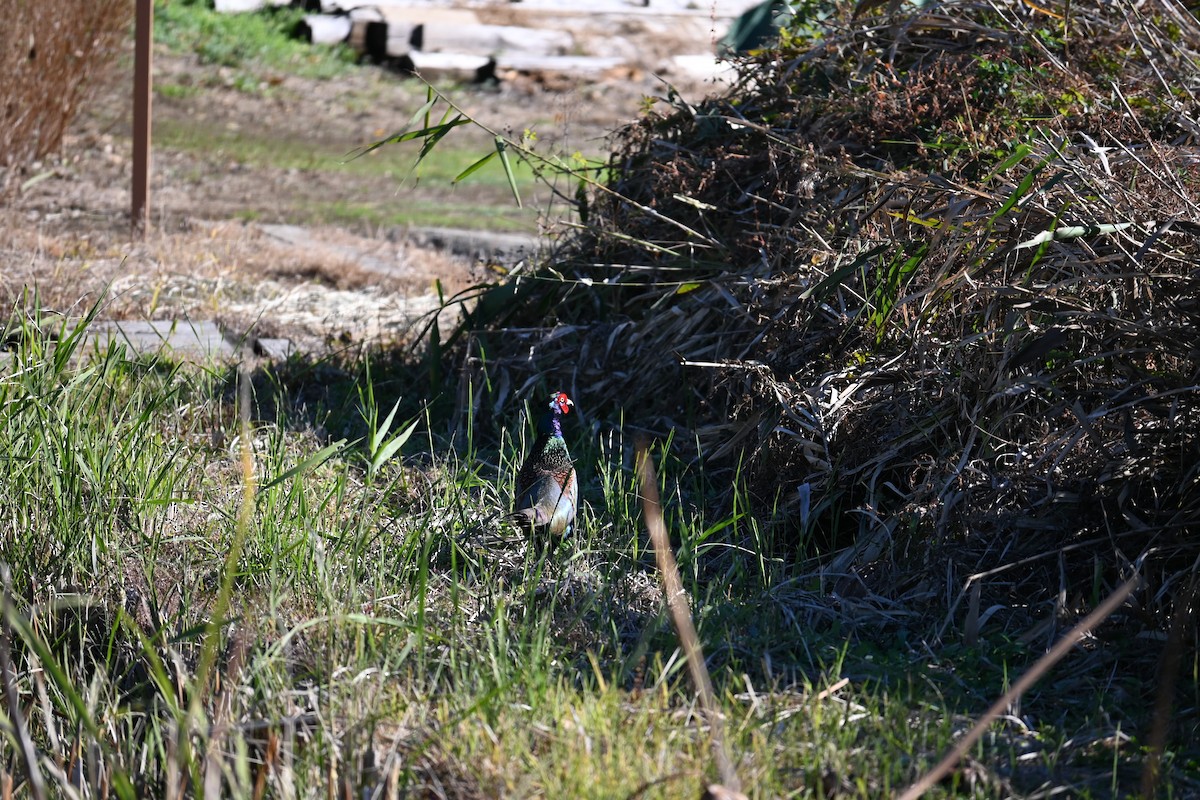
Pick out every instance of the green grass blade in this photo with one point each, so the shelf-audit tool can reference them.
(502, 151)
(834, 280)
(434, 135)
(1022, 189)
(57, 674)
(471, 170)
(402, 135)
(313, 461)
(389, 449)
(381, 432)
(1014, 158)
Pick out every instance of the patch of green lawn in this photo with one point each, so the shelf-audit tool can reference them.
(423, 194)
(257, 40)
(259, 149)
(475, 213)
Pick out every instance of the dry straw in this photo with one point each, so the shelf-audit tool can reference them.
(51, 54)
(1023, 684)
(685, 629)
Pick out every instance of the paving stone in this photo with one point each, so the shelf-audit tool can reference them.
(275, 349)
(486, 245)
(183, 339)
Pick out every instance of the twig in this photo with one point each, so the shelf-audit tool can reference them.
(651, 784)
(37, 787)
(830, 691)
(211, 646)
(1168, 675)
(681, 618)
(1031, 676)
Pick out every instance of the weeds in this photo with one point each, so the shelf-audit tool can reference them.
(899, 291)
(915, 343)
(376, 630)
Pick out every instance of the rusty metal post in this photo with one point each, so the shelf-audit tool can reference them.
(142, 63)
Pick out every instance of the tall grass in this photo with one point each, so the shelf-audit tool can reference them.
(209, 598)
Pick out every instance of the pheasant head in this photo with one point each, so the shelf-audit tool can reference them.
(560, 406)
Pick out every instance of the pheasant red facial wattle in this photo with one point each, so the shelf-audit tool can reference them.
(547, 491)
(561, 402)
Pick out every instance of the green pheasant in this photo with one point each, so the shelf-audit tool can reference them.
(547, 491)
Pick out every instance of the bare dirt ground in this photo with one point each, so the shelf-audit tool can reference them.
(66, 229)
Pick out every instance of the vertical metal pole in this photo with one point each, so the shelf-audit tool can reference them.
(142, 59)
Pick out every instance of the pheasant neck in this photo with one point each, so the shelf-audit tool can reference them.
(552, 425)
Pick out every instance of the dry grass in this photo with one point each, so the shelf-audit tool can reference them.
(52, 50)
(311, 292)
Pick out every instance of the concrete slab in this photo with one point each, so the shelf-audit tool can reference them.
(191, 340)
(704, 8)
(492, 39)
(275, 349)
(406, 11)
(583, 66)
(484, 245)
(475, 244)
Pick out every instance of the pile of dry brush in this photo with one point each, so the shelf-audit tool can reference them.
(933, 278)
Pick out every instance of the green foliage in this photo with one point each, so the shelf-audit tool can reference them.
(802, 22)
(518, 159)
(79, 445)
(260, 39)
